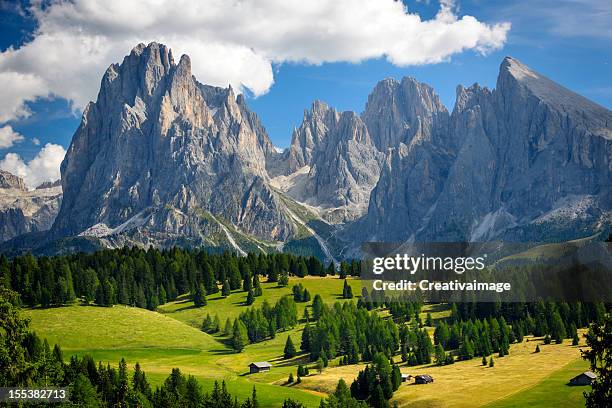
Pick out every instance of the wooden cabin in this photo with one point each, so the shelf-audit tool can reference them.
(423, 379)
(585, 378)
(260, 366)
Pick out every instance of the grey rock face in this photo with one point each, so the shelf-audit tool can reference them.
(160, 152)
(398, 112)
(50, 184)
(332, 163)
(8, 180)
(23, 211)
(528, 161)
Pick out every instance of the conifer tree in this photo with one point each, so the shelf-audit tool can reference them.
(491, 362)
(199, 298)
(347, 291)
(250, 298)
(226, 289)
(440, 355)
(537, 349)
(240, 337)
(207, 323)
(283, 279)
(227, 330)
(289, 351)
(216, 325)
(396, 377)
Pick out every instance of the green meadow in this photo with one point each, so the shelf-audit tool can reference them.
(170, 337)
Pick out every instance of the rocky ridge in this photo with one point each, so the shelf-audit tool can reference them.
(23, 211)
(161, 159)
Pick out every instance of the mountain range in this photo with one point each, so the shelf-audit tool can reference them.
(161, 159)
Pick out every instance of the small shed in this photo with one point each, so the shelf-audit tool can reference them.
(585, 378)
(259, 367)
(406, 377)
(423, 379)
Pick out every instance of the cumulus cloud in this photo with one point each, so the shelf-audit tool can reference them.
(8, 137)
(44, 167)
(229, 42)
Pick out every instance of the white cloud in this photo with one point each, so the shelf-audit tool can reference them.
(8, 137)
(229, 42)
(44, 167)
(35, 141)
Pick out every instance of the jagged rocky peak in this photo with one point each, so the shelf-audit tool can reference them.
(398, 111)
(332, 163)
(49, 184)
(516, 78)
(23, 210)
(518, 156)
(9, 180)
(310, 135)
(169, 157)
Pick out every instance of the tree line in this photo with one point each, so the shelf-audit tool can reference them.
(148, 278)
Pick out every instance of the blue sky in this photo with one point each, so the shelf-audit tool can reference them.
(571, 44)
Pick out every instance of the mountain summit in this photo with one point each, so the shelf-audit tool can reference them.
(527, 161)
(160, 158)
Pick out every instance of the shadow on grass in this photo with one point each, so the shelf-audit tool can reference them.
(302, 359)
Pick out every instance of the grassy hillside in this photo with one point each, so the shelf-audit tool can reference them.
(183, 310)
(552, 391)
(161, 341)
(512, 377)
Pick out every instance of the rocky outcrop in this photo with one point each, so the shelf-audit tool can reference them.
(161, 155)
(23, 211)
(332, 163)
(529, 160)
(49, 184)
(8, 180)
(398, 112)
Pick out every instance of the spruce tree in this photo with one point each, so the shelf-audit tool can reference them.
(283, 279)
(228, 327)
(575, 339)
(319, 365)
(537, 350)
(289, 351)
(247, 283)
(347, 291)
(440, 355)
(240, 337)
(484, 361)
(250, 298)
(257, 290)
(377, 400)
(199, 298)
(305, 343)
(207, 323)
(491, 362)
(290, 379)
(226, 290)
(216, 324)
